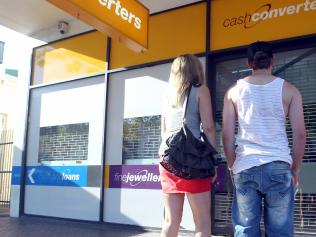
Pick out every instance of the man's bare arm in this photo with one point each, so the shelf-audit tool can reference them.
(296, 116)
(228, 128)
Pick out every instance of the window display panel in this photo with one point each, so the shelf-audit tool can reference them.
(135, 105)
(64, 150)
(133, 137)
(139, 94)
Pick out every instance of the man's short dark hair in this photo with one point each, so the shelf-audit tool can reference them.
(259, 55)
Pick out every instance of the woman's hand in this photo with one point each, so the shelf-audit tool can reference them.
(214, 178)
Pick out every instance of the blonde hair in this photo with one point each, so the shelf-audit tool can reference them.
(185, 70)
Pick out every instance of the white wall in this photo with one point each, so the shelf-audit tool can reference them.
(14, 95)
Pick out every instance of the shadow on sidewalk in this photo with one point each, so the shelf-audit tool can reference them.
(45, 227)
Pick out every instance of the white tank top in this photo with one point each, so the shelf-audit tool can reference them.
(261, 136)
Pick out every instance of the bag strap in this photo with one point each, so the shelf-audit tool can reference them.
(186, 103)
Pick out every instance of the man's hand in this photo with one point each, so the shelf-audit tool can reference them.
(295, 177)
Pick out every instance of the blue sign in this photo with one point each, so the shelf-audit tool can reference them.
(72, 176)
(16, 175)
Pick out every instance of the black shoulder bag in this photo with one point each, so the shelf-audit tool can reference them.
(186, 156)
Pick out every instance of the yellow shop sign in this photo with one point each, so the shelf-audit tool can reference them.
(236, 23)
(124, 20)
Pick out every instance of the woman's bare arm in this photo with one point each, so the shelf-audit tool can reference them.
(205, 107)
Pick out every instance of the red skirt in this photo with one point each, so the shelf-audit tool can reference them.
(174, 184)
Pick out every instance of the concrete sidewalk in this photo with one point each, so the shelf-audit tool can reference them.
(27, 226)
(45, 227)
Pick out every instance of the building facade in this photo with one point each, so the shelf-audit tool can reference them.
(93, 128)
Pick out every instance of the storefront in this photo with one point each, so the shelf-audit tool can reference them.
(94, 110)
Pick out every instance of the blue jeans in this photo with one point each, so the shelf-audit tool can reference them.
(268, 188)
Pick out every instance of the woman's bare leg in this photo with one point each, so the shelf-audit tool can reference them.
(173, 204)
(201, 208)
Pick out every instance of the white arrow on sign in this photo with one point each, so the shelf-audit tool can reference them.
(30, 175)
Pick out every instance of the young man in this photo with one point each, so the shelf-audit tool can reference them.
(263, 168)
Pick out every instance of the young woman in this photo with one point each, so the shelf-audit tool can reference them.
(186, 70)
